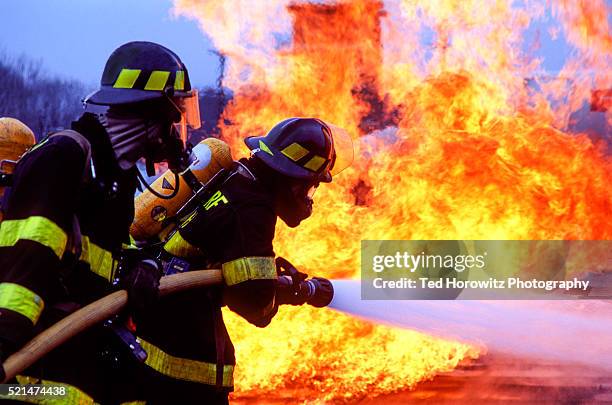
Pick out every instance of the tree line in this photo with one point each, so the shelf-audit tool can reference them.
(43, 102)
(48, 103)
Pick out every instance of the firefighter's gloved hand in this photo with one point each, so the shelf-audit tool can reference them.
(285, 268)
(288, 294)
(293, 288)
(289, 287)
(6, 349)
(141, 280)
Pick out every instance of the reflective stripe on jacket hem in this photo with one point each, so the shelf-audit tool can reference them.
(185, 369)
(35, 228)
(21, 300)
(249, 268)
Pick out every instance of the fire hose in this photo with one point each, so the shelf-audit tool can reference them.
(317, 292)
(95, 313)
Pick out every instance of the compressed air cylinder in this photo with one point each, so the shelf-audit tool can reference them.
(15, 139)
(209, 156)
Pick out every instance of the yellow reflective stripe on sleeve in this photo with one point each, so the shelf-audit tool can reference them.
(126, 78)
(22, 300)
(73, 395)
(100, 260)
(315, 163)
(37, 229)
(177, 246)
(248, 268)
(157, 80)
(179, 80)
(185, 369)
(295, 151)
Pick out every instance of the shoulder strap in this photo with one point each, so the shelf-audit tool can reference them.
(74, 243)
(85, 146)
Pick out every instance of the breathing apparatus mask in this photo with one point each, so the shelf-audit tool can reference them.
(294, 200)
(155, 130)
(173, 147)
(182, 112)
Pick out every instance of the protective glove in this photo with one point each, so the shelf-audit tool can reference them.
(290, 291)
(293, 288)
(6, 349)
(141, 280)
(15, 331)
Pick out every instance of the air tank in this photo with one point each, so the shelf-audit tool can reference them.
(208, 157)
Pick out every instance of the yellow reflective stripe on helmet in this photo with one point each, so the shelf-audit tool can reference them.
(157, 80)
(248, 268)
(295, 151)
(315, 163)
(37, 229)
(177, 246)
(179, 80)
(127, 78)
(22, 300)
(265, 148)
(185, 369)
(100, 260)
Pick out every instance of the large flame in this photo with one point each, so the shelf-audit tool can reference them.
(460, 136)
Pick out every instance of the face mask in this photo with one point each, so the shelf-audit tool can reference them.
(134, 137)
(131, 137)
(294, 202)
(172, 150)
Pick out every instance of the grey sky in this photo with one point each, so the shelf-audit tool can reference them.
(74, 38)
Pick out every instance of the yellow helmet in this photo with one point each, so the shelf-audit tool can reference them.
(15, 139)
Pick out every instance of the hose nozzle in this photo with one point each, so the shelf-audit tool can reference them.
(316, 291)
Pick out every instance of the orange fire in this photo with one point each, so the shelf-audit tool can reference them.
(454, 142)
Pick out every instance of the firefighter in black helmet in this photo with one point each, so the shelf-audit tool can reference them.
(302, 152)
(232, 228)
(69, 210)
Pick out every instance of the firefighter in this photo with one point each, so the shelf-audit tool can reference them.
(184, 335)
(70, 207)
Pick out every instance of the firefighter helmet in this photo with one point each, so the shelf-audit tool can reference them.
(304, 148)
(139, 71)
(15, 139)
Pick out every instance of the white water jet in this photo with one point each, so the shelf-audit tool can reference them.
(564, 331)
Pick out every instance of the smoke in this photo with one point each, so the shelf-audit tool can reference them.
(564, 331)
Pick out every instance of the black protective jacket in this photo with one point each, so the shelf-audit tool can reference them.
(231, 230)
(63, 228)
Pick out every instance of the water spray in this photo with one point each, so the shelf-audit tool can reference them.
(565, 331)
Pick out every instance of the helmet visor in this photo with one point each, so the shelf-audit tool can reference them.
(343, 149)
(189, 108)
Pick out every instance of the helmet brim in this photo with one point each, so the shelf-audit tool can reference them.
(112, 96)
(284, 165)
